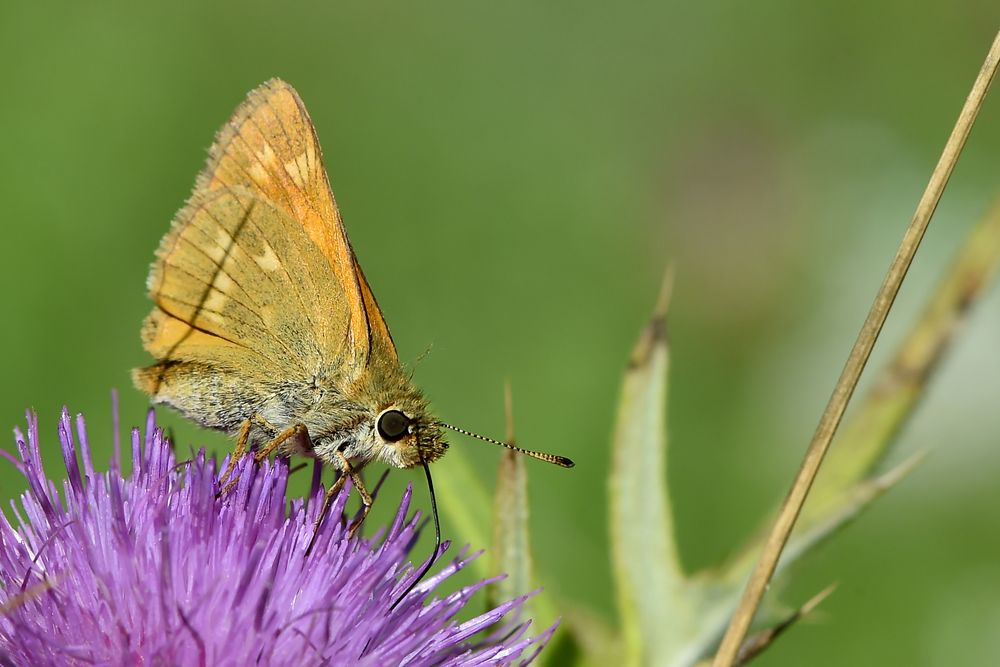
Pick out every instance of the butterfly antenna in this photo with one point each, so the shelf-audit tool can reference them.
(437, 538)
(541, 456)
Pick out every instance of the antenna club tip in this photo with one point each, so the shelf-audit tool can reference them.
(564, 462)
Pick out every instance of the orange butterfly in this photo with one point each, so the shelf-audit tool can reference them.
(264, 325)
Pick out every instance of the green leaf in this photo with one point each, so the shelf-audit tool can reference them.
(510, 552)
(652, 595)
(669, 618)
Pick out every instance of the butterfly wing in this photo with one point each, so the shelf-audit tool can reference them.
(243, 303)
(256, 279)
(269, 147)
(239, 269)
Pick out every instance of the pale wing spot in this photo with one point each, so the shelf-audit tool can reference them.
(216, 301)
(267, 316)
(268, 260)
(222, 243)
(258, 173)
(292, 167)
(216, 318)
(218, 296)
(303, 162)
(267, 156)
(311, 158)
(223, 283)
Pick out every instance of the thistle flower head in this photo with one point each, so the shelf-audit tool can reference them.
(152, 568)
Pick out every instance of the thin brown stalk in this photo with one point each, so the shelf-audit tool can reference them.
(757, 644)
(830, 420)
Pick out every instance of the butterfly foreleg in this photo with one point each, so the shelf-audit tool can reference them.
(327, 500)
(347, 470)
(242, 446)
(366, 502)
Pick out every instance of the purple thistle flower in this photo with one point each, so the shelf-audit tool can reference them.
(154, 570)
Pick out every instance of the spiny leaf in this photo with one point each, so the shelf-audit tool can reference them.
(671, 619)
(650, 584)
(510, 552)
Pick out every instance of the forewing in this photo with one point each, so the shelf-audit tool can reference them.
(240, 269)
(269, 148)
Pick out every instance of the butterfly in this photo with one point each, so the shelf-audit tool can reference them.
(264, 326)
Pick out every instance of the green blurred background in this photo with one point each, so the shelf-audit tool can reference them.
(514, 178)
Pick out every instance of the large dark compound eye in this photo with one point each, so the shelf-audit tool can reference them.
(393, 425)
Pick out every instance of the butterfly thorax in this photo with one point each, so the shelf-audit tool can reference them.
(378, 416)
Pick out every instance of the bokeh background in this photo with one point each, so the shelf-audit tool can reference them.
(515, 177)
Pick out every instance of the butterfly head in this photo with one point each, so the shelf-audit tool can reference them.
(406, 435)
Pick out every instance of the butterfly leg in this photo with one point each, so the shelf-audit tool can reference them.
(347, 470)
(327, 500)
(242, 445)
(298, 431)
(366, 502)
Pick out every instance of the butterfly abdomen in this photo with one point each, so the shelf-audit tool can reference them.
(200, 392)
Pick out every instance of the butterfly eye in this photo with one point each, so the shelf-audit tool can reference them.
(393, 425)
